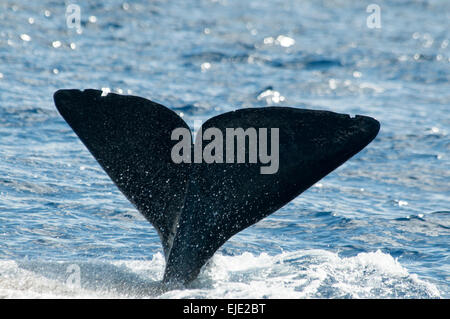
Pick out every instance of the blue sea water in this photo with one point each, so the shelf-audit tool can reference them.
(377, 227)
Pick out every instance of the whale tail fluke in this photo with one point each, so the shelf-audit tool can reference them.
(197, 207)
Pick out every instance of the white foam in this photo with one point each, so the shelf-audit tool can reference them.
(18, 283)
(299, 274)
(307, 274)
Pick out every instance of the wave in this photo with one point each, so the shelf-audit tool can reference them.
(298, 274)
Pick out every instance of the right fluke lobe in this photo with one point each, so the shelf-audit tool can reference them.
(196, 207)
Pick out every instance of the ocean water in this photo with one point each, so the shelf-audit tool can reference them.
(377, 227)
